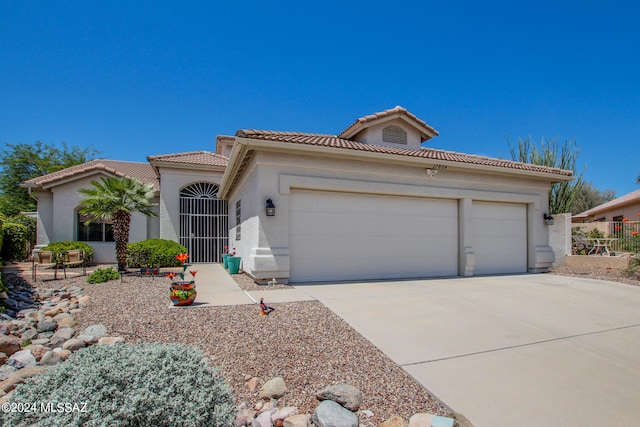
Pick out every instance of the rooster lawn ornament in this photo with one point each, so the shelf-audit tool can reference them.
(264, 308)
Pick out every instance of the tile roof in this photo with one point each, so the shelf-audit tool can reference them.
(627, 199)
(193, 157)
(324, 140)
(398, 110)
(138, 170)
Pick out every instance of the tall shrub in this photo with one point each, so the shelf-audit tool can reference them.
(14, 241)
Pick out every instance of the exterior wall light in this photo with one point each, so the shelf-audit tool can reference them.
(548, 219)
(270, 208)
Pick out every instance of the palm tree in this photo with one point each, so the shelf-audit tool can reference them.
(117, 199)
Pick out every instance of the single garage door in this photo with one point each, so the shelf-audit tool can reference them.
(348, 236)
(499, 238)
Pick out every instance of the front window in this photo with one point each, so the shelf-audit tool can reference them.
(95, 231)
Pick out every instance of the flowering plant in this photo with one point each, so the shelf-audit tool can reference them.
(183, 259)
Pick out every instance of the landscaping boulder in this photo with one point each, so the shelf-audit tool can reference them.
(332, 414)
(9, 344)
(275, 388)
(347, 395)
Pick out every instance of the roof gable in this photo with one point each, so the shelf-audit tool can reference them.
(397, 114)
(143, 172)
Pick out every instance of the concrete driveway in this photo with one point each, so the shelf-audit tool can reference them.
(526, 350)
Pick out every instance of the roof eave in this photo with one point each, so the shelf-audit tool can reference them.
(244, 145)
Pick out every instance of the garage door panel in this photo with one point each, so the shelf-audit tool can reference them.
(341, 236)
(499, 237)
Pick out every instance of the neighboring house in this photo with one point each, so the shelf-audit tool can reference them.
(627, 206)
(369, 203)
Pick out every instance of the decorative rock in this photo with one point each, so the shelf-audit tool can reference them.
(244, 417)
(88, 339)
(252, 384)
(10, 383)
(29, 334)
(5, 328)
(36, 316)
(347, 395)
(29, 371)
(274, 388)
(9, 344)
(22, 359)
(97, 331)
(264, 419)
(6, 371)
(439, 421)
(67, 322)
(50, 358)
(421, 420)
(64, 354)
(281, 414)
(301, 420)
(38, 351)
(332, 414)
(259, 406)
(3, 358)
(52, 312)
(394, 421)
(40, 341)
(110, 340)
(47, 326)
(61, 335)
(58, 317)
(73, 344)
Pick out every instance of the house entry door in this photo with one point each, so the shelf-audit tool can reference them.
(204, 222)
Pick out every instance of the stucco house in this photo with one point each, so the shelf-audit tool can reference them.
(627, 206)
(369, 203)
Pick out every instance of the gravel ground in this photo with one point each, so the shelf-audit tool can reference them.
(247, 284)
(304, 342)
(611, 274)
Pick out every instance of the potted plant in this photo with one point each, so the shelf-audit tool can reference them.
(183, 292)
(225, 256)
(233, 262)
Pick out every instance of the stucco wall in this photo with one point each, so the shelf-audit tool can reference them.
(57, 215)
(172, 181)
(560, 237)
(271, 175)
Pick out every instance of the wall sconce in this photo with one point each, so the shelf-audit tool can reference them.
(270, 208)
(548, 219)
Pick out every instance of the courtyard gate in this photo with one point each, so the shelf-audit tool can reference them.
(204, 223)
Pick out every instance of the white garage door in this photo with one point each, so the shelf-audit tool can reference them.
(499, 238)
(345, 236)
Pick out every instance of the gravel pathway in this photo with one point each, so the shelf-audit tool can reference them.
(304, 342)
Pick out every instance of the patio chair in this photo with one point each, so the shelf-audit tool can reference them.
(45, 259)
(580, 244)
(73, 258)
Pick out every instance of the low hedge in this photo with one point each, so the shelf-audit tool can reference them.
(154, 253)
(60, 247)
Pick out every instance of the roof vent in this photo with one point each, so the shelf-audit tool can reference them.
(394, 134)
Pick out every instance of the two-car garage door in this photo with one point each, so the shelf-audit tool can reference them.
(350, 236)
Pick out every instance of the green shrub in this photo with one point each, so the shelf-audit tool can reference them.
(31, 223)
(154, 253)
(102, 275)
(60, 247)
(596, 234)
(129, 385)
(14, 241)
(1, 233)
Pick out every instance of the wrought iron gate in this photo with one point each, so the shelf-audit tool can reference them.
(204, 224)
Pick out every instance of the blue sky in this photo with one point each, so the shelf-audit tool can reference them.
(141, 78)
